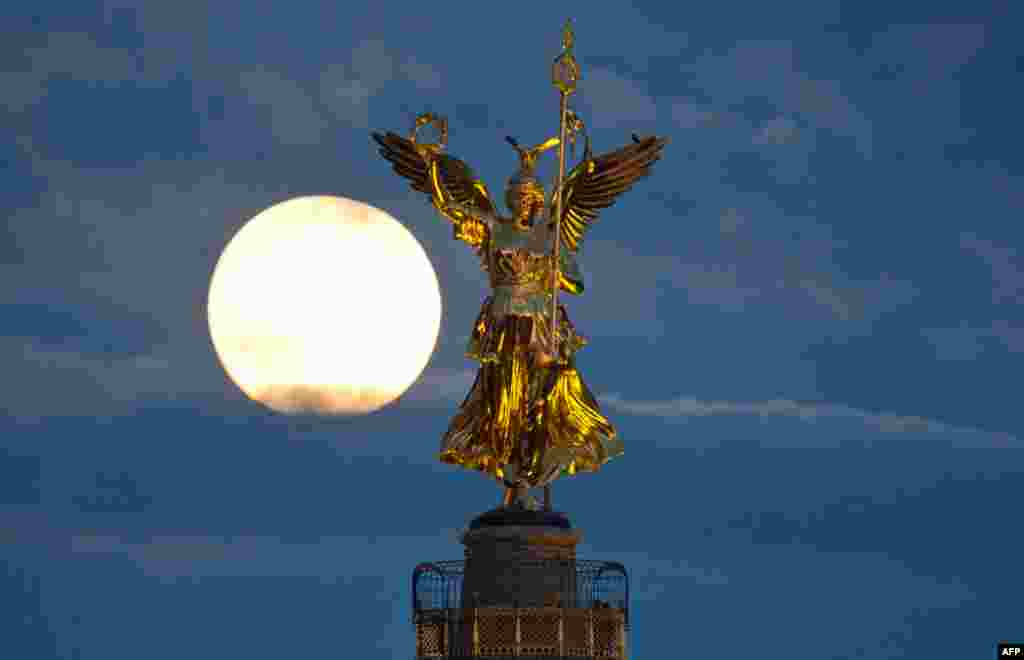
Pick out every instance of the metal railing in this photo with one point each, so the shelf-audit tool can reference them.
(591, 621)
(548, 632)
(598, 584)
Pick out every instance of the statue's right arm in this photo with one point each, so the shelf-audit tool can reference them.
(469, 223)
(453, 188)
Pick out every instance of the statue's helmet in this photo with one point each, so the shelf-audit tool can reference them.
(524, 188)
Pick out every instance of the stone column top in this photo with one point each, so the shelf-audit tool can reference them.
(526, 535)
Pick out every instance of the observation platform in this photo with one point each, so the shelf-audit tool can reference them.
(520, 593)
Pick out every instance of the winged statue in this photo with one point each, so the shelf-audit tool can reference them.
(529, 417)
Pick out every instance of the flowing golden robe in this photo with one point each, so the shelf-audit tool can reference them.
(544, 419)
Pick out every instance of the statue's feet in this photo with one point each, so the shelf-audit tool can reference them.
(517, 492)
(518, 498)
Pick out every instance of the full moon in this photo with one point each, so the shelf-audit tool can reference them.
(324, 305)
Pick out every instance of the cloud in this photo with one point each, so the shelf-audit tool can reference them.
(687, 113)
(716, 284)
(956, 344)
(615, 101)
(768, 71)
(763, 256)
(1006, 269)
(759, 573)
(147, 249)
(634, 290)
(47, 382)
(421, 74)
(329, 400)
(138, 245)
(373, 63)
(294, 117)
(779, 130)
(347, 98)
(923, 53)
(966, 343)
(347, 88)
(731, 221)
(196, 556)
(1005, 265)
(73, 54)
(112, 493)
(1011, 335)
(439, 385)
(916, 78)
(769, 256)
(647, 569)
(22, 89)
(684, 407)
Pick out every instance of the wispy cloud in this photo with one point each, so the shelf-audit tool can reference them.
(439, 385)
(1005, 265)
(653, 571)
(58, 382)
(346, 88)
(758, 255)
(687, 113)
(633, 290)
(616, 100)
(148, 255)
(76, 55)
(778, 130)
(966, 342)
(925, 53)
(55, 382)
(810, 412)
(294, 116)
(1011, 335)
(770, 256)
(769, 70)
(916, 76)
(420, 73)
(170, 556)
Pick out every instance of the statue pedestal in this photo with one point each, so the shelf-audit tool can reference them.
(517, 558)
(523, 596)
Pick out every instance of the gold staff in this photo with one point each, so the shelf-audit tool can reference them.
(565, 72)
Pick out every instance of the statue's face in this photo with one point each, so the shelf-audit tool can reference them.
(525, 205)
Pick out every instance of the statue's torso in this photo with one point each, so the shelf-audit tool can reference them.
(519, 265)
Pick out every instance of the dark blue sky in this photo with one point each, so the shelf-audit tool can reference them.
(807, 324)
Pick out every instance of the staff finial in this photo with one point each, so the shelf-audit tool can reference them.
(567, 37)
(565, 72)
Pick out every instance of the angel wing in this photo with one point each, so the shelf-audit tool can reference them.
(450, 183)
(595, 183)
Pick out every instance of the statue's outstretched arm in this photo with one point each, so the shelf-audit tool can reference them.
(470, 223)
(450, 184)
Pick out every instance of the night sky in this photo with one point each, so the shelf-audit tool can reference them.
(807, 324)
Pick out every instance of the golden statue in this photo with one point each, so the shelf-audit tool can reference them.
(529, 417)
